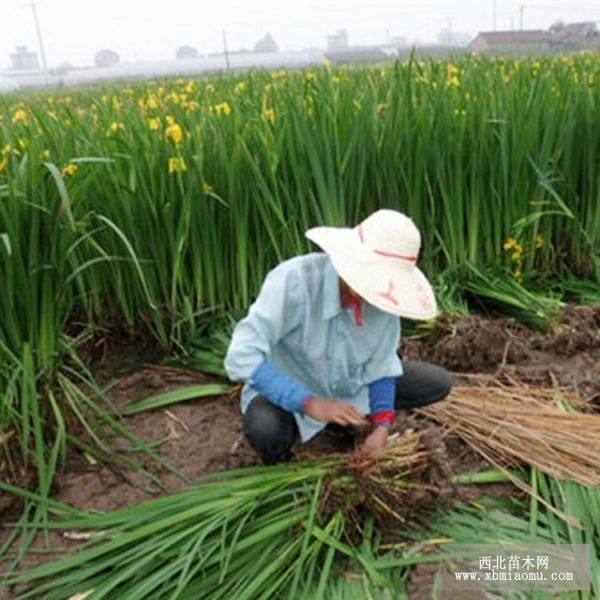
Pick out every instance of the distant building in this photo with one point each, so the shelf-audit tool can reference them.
(266, 44)
(534, 39)
(398, 41)
(24, 60)
(186, 52)
(106, 58)
(444, 37)
(354, 54)
(575, 35)
(338, 41)
(447, 37)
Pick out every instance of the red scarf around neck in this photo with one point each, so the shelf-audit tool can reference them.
(355, 303)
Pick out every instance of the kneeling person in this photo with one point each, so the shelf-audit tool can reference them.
(319, 344)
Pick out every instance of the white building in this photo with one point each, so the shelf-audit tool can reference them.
(24, 60)
(338, 40)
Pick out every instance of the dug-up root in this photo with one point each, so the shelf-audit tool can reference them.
(389, 485)
(516, 425)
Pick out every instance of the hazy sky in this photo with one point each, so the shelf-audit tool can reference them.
(74, 30)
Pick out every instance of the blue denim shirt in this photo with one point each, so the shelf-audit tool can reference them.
(298, 324)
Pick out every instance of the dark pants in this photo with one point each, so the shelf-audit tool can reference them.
(272, 431)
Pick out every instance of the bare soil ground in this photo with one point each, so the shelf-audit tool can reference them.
(474, 346)
(205, 436)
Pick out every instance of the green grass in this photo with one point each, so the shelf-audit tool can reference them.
(512, 521)
(257, 532)
(192, 392)
(263, 532)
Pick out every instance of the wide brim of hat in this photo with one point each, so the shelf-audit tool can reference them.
(371, 275)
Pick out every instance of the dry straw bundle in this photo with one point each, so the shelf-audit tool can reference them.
(519, 424)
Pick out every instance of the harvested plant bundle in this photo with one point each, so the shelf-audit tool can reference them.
(519, 424)
(244, 534)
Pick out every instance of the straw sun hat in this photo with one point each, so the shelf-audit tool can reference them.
(378, 260)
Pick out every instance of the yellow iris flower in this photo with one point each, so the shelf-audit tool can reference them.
(115, 128)
(174, 132)
(223, 108)
(268, 114)
(70, 170)
(20, 116)
(177, 164)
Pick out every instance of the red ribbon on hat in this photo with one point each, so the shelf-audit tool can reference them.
(412, 259)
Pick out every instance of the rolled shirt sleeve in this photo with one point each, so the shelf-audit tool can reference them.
(280, 389)
(382, 400)
(381, 372)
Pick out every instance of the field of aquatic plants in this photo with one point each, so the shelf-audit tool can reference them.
(159, 207)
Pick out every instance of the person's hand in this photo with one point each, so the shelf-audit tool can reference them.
(328, 410)
(375, 441)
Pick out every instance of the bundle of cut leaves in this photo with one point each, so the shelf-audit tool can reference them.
(515, 425)
(259, 532)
